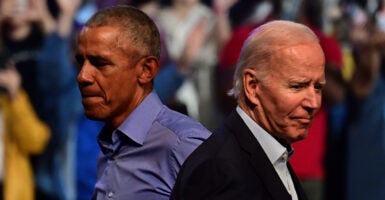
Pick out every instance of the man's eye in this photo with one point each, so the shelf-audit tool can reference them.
(318, 86)
(79, 60)
(99, 63)
(296, 87)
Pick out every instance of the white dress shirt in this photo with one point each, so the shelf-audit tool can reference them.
(275, 151)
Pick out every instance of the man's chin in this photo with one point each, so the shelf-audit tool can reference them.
(93, 116)
(300, 135)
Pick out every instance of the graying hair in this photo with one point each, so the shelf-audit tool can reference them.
(260, 46)
(135, 26)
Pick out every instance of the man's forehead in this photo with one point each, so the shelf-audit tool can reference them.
(104, 34)
(86, 29)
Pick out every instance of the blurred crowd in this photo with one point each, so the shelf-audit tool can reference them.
(342, 158)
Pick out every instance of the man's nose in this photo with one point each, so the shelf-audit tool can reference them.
(312, 99)
(85, 74)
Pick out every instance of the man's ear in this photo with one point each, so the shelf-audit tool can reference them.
(250, 85)
(149, 67)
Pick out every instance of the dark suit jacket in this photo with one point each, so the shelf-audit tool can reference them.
(231, 164)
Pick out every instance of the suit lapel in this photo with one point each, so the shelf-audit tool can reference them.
(257, 157)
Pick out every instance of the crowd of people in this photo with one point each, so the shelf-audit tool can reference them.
(53, 61)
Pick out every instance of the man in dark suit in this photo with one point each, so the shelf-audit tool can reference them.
(278, 84)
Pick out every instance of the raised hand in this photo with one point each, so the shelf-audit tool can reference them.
(67, 11)
(10, 80)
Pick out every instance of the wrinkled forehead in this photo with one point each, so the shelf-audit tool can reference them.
(302, 57)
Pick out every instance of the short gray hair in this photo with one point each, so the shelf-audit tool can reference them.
(260, 46)
(134, 24)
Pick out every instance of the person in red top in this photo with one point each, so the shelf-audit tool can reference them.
(243, 21)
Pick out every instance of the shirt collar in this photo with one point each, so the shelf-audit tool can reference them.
(138, 123)
(273, 149)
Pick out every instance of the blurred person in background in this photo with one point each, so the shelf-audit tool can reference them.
(169, 78)
(365, 125)
(22, 134)
(356, 157)
(171, 75)
(243, 16)
(189, 28)
(37, 36)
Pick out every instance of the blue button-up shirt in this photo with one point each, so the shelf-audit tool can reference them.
(141, 158)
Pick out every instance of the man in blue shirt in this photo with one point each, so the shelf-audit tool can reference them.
(143, 142)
